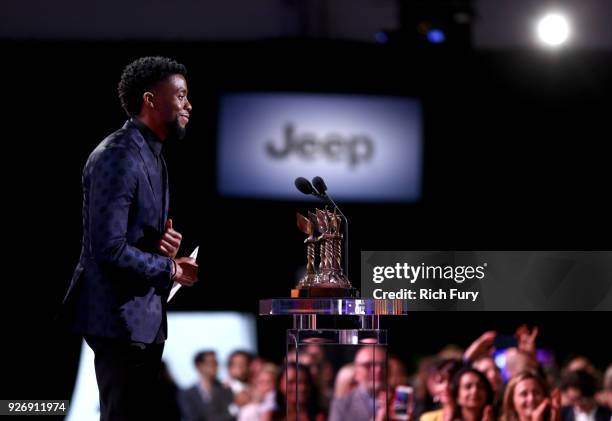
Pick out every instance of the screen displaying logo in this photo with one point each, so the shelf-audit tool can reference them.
(367, 148)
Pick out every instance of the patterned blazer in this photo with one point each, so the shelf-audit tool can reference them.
(120, 285)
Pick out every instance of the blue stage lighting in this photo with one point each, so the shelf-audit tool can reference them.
(436, 36)
(381, 37)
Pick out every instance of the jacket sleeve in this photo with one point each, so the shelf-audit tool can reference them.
(111, 179)
(337, 411)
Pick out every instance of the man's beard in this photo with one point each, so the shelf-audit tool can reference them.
(176, 131)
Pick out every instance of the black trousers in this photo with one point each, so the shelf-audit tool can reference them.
(128, 377)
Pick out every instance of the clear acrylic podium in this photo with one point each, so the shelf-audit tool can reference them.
(307, 331)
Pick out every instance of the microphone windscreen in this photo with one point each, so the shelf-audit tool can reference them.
(319, 184)
(303, 185)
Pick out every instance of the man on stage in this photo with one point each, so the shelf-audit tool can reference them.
(118, 293)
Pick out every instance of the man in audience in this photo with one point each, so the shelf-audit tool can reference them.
(238, 379)
(208, 399)
(238, 371)
(365, 399)
(580, 387)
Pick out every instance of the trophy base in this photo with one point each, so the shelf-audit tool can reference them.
(314, 292)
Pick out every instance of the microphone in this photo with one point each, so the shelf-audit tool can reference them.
(305, 187)
(319, 184)
(321, 191)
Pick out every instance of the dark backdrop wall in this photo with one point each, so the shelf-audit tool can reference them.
(515, 158)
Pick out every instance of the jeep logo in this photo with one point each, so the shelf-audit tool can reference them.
(333, 146)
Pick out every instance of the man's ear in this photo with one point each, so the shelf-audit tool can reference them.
(147, 100)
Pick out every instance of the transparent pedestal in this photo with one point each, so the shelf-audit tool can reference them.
(307, 330)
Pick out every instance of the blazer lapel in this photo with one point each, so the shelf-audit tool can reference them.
(148, 159)
(146, 155)
(166, 189)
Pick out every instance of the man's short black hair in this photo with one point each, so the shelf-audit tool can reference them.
(201, 356)
(142, 74)
(582, 380)
(240, 352)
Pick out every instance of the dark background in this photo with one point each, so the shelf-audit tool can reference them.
(516, 157)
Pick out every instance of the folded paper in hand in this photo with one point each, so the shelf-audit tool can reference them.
(176, 285)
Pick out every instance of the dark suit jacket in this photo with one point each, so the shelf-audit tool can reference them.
(601, 414)
(194, 408)
(120, 285)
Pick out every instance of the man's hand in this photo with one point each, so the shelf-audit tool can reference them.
(170, 241)
(481, 346)
(527, 339)
(186, 271)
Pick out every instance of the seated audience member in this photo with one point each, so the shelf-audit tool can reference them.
(575, 363)
(526, 399)
(208, 399)
(313, 357)
(296, 396)
(580, 387)
(364, 400)
(424, 399)
(238, 379)
(438, 382)
(263, 394)
(322, 372)
(472, 395)
(238, 371)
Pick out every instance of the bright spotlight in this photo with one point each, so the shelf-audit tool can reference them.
(553, 29)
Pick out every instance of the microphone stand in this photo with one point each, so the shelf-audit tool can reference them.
(345, 232)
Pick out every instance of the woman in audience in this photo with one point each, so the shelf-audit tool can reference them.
(439, 386)
(472, 395)
(263, 399)
(526, 399)
(291, 406)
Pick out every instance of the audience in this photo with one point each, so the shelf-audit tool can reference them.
(453, 385)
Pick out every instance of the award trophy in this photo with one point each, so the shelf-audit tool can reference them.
(307, 227)
(323, 229)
